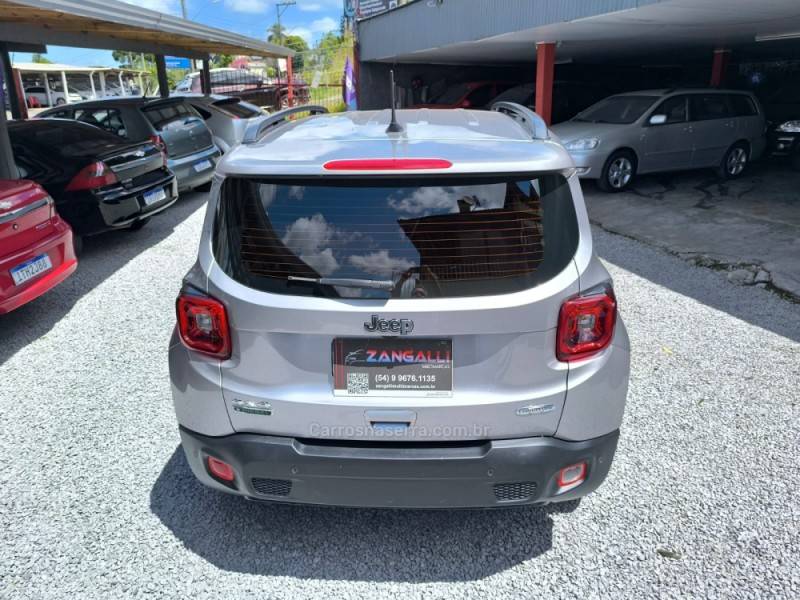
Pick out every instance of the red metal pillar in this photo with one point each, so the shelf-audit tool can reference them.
(545, 61)
(289, 81)
(719, 67)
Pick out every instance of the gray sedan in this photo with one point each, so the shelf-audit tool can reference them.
(664, 130)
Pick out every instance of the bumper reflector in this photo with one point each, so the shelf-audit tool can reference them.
(220, 470)
(571, 477)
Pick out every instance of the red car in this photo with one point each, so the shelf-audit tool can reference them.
(36, 252)
(473, 94)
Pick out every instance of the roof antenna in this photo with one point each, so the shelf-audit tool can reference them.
(394, 126)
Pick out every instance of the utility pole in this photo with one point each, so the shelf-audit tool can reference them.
(183, 14)
(280, 8)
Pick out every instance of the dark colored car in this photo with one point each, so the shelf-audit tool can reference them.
(569, 97)
(169, 123)
(248, 87)
(783, 116)
(36, 252)
(473, 94)
(99, 181)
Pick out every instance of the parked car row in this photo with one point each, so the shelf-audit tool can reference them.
(103, 165)
(615, 138)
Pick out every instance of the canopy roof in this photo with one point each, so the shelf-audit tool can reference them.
(58, 68)
(115, 25)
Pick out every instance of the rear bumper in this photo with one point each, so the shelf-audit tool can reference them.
(59, 248)
(121, 212)
(95, 212)
(490, 473)
(187, 176)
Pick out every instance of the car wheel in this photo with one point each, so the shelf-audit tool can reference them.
(77, 244)
(618, 171)
(284, 102)
(734, 162)
(60, 102)
(137, 225)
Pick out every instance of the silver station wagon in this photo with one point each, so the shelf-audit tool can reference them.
(664, 130)
(399, 313)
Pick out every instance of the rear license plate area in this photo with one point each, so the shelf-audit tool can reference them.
(154, 196)
(30, 269)
(392, 367)
(202, 166)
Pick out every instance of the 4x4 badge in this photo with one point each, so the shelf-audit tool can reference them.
(401, 326)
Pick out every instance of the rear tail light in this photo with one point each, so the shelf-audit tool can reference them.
(220, 470)
(96, 175)
(203, 325)
(158, 142)
(570, 477)
(387, 164)
(585, 325)
(466, 104)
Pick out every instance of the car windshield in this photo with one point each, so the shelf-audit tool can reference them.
(402, 239)
(520, 94)
(617, 109)
(453, 94)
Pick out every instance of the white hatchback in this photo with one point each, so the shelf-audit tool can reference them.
(399, 314)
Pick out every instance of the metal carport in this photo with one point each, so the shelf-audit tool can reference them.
(28, 25)
(520, 32)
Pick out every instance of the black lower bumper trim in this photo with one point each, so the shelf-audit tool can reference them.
(487, 474)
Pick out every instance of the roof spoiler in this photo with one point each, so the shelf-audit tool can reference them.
(255, 131)
(535, 125)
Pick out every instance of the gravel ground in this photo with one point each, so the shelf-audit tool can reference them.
(96, 499)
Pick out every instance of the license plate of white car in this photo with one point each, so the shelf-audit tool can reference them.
(154, 196)
(30, 269)
(202, 165)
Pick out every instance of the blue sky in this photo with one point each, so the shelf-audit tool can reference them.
(308, 19)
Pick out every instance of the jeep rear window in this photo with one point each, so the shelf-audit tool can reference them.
(429, 238)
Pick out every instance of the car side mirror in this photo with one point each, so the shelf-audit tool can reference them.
(658, 119)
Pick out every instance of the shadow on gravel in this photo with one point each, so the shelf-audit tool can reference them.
(102, 256)
(346, 543)
(769, 311)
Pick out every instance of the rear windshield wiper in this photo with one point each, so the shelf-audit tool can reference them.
(376, 284)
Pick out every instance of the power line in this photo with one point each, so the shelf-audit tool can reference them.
(280, 8)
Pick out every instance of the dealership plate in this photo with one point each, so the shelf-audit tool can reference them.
(30, 269)
(393, 367)
(154, 196)
(203, 166)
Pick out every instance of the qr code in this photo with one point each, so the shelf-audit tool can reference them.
(358, 384)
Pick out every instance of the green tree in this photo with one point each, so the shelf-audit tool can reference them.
(222, 60)
(276, 33)
(38, 58)
(298, 44)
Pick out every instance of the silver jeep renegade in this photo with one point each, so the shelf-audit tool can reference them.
(399, 312)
